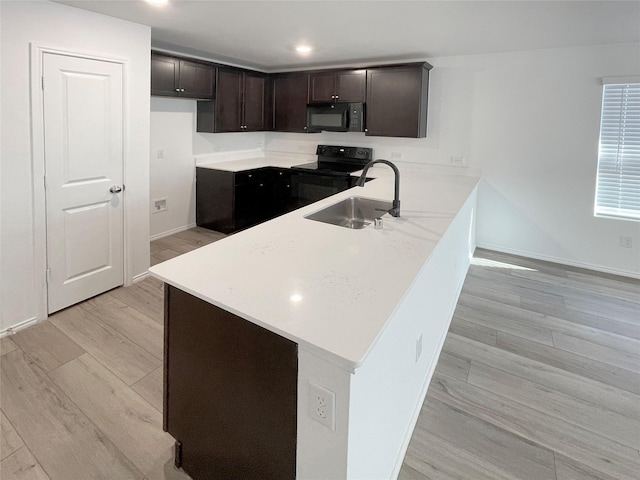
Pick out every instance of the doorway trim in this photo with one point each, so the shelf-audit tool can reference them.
(37, 52)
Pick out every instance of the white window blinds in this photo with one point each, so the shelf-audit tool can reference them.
(618, 183)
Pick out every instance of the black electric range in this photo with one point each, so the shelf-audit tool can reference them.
(337, 160)
(329, 175)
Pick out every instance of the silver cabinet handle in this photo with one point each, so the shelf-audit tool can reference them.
(115, 189)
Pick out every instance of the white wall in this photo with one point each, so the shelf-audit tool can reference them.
(173, 130)
(535, 129)
(52, 25)
(530, 121)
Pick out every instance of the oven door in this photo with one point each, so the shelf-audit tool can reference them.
(308, 188)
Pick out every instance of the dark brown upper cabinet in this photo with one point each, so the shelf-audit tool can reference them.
(240, 103)
(397, 100)
(290, 98)
(175, 77)
(338, 86)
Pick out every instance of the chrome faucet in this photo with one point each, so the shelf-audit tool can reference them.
(395, 209)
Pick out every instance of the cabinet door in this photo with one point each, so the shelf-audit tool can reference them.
(351, 86)
(322, 87)
(164, 75)
(291, 93)
(196, 80)
(282, 199)
(397, 101)
(228, 103)
(214, 199)
(254, 101)
(252, 202)
(230, 392)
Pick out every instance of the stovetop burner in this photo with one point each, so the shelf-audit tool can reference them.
(337, 160)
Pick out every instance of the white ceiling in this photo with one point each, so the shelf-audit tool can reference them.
(262, 34)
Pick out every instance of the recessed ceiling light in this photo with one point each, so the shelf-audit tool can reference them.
(303, 49)
(157, 2)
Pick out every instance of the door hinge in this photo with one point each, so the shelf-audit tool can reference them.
(48, 274)
(42, 81)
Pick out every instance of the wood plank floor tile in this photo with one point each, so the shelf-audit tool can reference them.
(514, 326)
(515, 263)
(47, 345)
(574, 442)
(434, 457)
(10, 441)
(552, 317)
(453, 366)
(596, 419)
(164, 255)
(503, 281)
(596, 370)
(500, 450)
(480, 333)
(166, 470)
(606, 307)
(22, 466)
(583, 318)
(482, 290)
(60, 436)
(7, 345)
(567, 469)
(124, 417)
(124, 358)
(98, 300)
(597, 393)
(199, 236)
(594, 351)
(145, 296)
(624, 288)
(410, 473)
(151, 388)
(132, 324)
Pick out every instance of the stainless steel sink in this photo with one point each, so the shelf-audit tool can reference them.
(352, 212)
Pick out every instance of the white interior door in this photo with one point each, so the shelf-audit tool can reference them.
(83, 135)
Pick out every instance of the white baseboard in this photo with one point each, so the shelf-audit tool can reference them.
(19, 326)
(171, 232)
(140, 277)
(561, 261)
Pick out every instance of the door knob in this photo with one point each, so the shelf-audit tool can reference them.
(115, 189)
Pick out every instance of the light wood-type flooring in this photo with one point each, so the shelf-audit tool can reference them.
(539, 378)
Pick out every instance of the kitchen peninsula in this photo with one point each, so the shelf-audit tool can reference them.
(298, 349)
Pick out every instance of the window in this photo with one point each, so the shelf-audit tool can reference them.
(618, 183)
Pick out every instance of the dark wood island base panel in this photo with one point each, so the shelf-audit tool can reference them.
(230, 393)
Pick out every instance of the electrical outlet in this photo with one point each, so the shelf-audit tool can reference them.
(160, 205)
(160, 154)
(396, 155)
(626, 241)
(457, 161)
(322, 405)
(418, 348)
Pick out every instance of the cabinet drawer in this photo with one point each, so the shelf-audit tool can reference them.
(250, 176)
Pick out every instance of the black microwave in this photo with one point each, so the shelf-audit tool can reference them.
(335, 117)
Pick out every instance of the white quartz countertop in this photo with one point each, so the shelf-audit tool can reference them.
(330, 289)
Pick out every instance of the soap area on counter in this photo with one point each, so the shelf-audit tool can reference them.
(368, 309)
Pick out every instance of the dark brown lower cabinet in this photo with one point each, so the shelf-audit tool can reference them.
(231, 201)
(230, 393)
